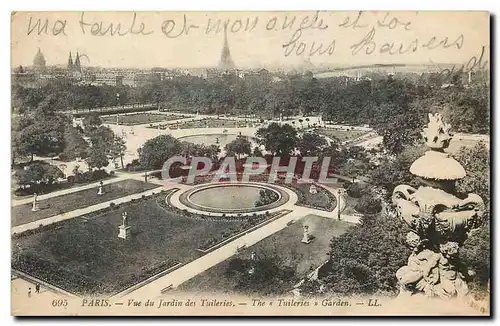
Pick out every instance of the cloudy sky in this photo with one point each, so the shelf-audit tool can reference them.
(192, 39)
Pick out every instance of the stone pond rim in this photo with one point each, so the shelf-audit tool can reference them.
(186, 197)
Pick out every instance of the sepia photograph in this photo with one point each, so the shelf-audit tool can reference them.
(240, 163)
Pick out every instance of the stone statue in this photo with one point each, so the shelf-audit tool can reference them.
(306, 238)
(124, 230)
(35, 203)
(253, 255)
(313, 190)
(100, 191)
(124, 219)
(439, 221)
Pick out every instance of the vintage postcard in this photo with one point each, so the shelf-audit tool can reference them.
(308, 163)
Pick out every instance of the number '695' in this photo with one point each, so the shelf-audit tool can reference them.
(59, 303)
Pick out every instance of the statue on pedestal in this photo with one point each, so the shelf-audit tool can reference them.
(100, 191)
(35, 203)
(313, 190)
(124, 230)
(307, 238)
(124, 219)
(439, 220)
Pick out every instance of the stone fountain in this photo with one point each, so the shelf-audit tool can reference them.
(439, 220)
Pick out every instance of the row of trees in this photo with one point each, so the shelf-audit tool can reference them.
(44, 132)
(382, 101)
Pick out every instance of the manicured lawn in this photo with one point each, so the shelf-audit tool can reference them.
(140, 118)
(61, 204)
(284, 244)
(85, 256)
(342, 135)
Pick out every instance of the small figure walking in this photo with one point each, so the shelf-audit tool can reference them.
(37, 288)
(29, 292)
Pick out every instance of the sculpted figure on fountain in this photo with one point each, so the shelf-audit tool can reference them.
(439, 219)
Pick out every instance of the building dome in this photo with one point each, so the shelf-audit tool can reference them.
(39, 60)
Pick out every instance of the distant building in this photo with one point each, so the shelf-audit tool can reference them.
(39, 60)
(226, 62)
(74, 68)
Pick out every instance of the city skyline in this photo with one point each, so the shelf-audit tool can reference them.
(200, 47)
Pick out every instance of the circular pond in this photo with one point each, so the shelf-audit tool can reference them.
(234, 198)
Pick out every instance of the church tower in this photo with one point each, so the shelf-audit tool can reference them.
(78, 66)
(225, 59)
(70, 62)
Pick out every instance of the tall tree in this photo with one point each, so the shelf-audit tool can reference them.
(281, 140)
(91, 122)
(118, 149)
(156, 151)
(40, 132)
(97, 157)
(311, 144)
(239, 146)
(74, 145)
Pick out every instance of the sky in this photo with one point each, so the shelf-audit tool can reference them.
(256, 39)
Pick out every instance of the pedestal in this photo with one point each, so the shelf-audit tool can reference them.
(306, 240)
(124, 232)
(35, 208)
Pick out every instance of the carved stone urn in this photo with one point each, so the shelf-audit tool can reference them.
(439, 220)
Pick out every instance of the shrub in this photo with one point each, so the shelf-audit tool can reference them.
(112, 205)
(368, 205)
(357, 189)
